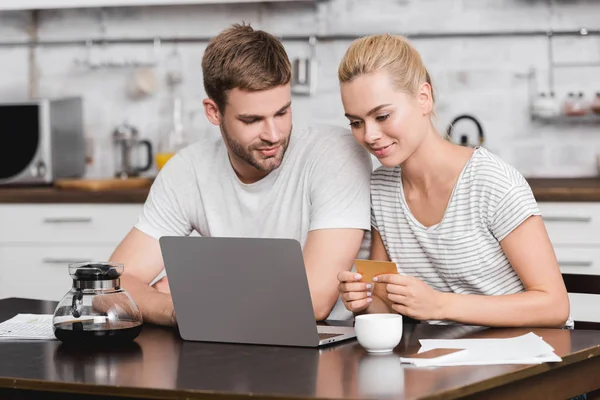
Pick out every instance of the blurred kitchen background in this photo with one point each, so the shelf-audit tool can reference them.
(523, 75)
(510, 64)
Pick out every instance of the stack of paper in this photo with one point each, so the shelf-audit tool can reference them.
(28, 326)
(526, 349)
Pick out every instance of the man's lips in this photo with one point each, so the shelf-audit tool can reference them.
(268, 151)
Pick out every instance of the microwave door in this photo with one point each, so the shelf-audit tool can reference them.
(20, 134)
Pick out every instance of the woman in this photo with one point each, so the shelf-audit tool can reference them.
(462, 226)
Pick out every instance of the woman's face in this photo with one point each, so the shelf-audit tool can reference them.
(388, 122)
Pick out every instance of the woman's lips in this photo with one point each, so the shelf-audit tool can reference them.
(382, 151)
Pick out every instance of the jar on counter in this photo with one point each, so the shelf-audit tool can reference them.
(595, 105)
(575, 105)
(546, 106)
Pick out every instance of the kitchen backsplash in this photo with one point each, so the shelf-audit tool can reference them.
(487, 77)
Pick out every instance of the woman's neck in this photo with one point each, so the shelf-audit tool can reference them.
(435, 164)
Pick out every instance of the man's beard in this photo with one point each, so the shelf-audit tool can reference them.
(252, 156)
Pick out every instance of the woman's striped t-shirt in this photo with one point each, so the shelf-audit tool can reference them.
(461, 254)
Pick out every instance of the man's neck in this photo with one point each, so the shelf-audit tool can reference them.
(245, 172)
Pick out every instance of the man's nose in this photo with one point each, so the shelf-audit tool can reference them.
(270, 132)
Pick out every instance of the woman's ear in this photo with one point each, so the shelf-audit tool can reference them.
(425, 97)
(212, 111)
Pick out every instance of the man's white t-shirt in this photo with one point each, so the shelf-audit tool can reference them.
(322, 183)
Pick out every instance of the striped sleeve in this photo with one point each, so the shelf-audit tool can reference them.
(513, 209)
(373, 220)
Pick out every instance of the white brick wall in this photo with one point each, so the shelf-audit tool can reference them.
(479, 76)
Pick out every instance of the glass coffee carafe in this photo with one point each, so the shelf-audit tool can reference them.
(97, 310)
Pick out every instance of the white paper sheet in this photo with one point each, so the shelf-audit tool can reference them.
(422, 362)
(525, 349)
(28, 326)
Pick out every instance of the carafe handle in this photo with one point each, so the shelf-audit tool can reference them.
(149, 154)
(77, 303)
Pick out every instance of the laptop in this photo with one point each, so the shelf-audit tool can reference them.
(243, 290)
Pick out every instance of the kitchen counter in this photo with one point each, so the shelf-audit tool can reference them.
(565, 189)
(49, 194)
(544, 190)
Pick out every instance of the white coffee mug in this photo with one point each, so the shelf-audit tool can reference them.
(378, 333)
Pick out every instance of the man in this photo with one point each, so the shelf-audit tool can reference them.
(264, 179)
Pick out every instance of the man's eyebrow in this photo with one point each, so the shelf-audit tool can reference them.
(259, 117)
(284, 107)
(249, 116)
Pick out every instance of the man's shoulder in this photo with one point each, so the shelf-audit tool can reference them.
(203, 151)
(196, 162)
(324, 133)
(323, 141)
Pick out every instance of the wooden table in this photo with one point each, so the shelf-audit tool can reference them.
(161, 365)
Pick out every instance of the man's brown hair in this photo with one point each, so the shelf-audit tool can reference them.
(244, 58)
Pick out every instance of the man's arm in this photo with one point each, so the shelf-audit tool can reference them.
(326, 253)
(339, 216)
(143, 261)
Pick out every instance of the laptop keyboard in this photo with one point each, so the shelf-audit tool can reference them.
(323, 336)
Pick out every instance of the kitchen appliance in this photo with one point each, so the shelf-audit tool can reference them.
(126, 141)
(463, 138)
(96, 310)
(42, 140)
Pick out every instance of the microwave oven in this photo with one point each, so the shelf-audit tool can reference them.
(42, 140)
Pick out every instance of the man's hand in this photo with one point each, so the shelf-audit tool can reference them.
(142, 258)
(163, 285)
(412, 297)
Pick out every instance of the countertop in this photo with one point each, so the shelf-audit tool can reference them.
(544, 190)
(50, 194)
(160, 365)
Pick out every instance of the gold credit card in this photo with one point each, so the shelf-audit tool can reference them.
(370, 269)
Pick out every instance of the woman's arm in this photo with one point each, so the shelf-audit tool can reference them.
(544, 303)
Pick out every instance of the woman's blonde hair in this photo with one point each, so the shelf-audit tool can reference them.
(392, 53)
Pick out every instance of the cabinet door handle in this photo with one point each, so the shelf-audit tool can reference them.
(49, 260)
(559, 218)
(67, 220)
(571, 263)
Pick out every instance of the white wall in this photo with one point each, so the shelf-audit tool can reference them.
(484, 77)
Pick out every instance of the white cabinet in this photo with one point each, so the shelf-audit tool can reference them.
(37, 242)
(574, 229)
(67, 223)
(50, 4)
(572, 224)
(40, 272)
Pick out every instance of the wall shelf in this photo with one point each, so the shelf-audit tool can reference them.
(55, 4)
(569, 120)
(290, 38)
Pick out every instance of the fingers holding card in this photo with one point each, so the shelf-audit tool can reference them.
(370, 269)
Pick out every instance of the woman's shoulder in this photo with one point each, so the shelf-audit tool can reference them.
(383, 173)
(385, 178)
(489, 170)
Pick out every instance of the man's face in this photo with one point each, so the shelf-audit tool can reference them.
(256, 127)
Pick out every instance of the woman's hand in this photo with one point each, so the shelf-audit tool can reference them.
(355, 294)
(412, 297)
